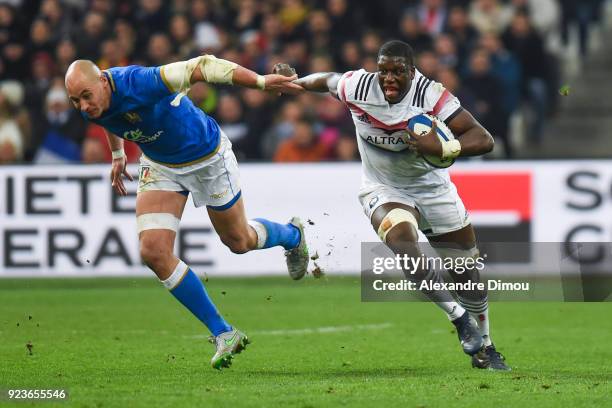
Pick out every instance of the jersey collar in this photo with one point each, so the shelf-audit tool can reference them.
(112, 107)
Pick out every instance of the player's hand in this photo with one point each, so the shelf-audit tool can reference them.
(427, 144)
(281, 84)
(287, 70)
(119, 168)
(283, 69)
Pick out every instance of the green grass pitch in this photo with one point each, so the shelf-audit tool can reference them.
(127, 343)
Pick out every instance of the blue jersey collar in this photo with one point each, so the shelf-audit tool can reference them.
(114, 98)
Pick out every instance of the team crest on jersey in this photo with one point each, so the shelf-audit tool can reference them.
(364, 118)
(132, 117)
(144, 172)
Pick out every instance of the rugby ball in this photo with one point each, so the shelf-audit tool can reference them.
(421, 125)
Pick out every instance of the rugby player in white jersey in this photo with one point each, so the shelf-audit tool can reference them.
(401, 193)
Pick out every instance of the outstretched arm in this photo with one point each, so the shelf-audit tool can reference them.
(179, 76)
(317, 82)
(320, 82)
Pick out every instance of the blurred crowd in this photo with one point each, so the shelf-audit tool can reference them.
(494, 55)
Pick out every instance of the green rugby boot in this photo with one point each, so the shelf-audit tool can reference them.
(228, 344)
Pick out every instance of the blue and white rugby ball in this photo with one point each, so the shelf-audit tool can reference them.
(421, 125)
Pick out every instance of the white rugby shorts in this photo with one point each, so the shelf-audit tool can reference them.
(441, 209)
(214, 182)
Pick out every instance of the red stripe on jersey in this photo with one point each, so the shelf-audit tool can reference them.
(358, 110)
(347, 75)
(377, 123)
(441, 102)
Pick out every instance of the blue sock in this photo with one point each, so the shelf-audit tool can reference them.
(191, 293)
(285, 235)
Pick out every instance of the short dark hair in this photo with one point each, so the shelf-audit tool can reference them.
(396, 48)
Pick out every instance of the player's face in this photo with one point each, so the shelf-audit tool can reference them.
(395, 75)
(89, 96)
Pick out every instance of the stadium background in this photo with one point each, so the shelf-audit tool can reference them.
(505, 60)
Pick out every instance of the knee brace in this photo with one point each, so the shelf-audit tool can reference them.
(157, 221)
(394, 217)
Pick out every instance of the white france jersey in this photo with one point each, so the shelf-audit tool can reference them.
(381, 128)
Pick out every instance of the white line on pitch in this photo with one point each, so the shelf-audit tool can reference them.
(309, 330)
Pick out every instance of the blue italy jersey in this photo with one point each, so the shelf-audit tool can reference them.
(140, 111)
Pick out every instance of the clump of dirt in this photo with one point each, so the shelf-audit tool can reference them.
(317, 272)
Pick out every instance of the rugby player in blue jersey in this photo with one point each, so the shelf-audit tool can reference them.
(184, 152)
